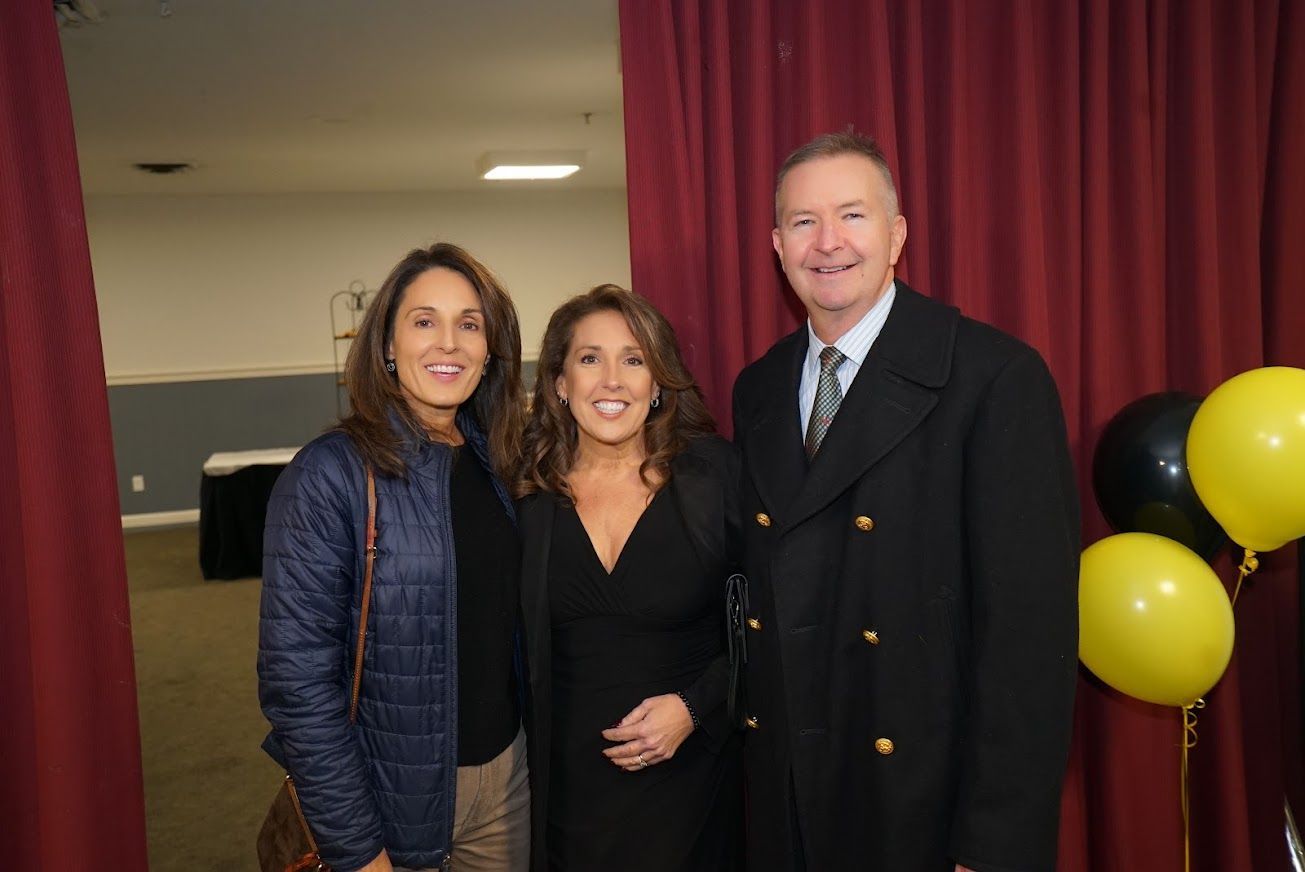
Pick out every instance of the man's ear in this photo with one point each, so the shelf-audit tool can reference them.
(897, 238)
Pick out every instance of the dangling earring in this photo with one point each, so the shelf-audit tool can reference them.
(563, 400)
(488, 358)
(656, 401)
(389, 365)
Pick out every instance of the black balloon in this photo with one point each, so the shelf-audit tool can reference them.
(1139, 473)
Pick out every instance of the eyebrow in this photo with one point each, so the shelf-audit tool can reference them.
(433, 309)
(600, 348)
(848, 205)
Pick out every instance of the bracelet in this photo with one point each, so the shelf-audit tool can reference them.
(693, 716)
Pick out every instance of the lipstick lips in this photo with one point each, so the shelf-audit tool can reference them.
(610, 408)
(445, 371)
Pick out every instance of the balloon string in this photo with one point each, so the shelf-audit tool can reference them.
(1250, 563)
(1189, 742)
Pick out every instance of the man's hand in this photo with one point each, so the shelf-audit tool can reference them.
(380, 863)
(650, 733)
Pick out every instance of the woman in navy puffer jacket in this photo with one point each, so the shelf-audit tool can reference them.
(435, 766)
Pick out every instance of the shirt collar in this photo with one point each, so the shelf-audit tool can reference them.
(855, 343)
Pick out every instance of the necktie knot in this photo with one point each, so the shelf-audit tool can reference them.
(831, 359)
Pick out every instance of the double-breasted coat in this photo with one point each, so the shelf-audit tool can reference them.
(913, 627)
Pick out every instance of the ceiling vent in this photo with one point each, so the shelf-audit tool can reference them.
(163, 169)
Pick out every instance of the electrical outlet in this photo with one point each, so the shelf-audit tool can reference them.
(137, 484)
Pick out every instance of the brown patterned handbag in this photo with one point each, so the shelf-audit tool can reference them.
(285, 841)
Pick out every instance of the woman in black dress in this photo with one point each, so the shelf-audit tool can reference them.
(627, 522)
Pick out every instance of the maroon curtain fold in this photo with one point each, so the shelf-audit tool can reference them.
(70, 773)
(1118, 183)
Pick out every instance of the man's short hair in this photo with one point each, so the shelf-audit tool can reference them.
(834, 145)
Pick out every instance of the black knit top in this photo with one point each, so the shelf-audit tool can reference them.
(489, 567)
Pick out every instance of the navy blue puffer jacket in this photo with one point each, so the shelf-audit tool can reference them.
(388, 781)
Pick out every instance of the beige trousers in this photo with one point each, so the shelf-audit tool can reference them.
(491, 817)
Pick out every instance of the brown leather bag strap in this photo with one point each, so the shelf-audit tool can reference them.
(366, 595)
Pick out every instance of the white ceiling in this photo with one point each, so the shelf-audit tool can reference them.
(342, 95)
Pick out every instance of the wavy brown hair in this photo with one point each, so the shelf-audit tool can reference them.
(374, 395)
(551, 436)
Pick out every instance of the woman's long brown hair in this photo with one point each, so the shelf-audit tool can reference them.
(374, 394)
(551, 432)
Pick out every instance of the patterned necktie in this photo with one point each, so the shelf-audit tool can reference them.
(828, 395)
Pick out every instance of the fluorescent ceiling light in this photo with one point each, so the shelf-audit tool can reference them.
(500, 165)
(531, 171)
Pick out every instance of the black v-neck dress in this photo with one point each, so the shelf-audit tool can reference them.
(650, 627)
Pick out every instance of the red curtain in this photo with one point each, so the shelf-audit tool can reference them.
(70, 774)
(1118, 183)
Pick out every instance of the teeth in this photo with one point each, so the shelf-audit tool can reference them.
(610, 407)
(830, 269)
(444, 368)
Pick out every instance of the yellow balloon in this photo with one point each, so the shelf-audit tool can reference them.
(1246, 456)
(1154, 621)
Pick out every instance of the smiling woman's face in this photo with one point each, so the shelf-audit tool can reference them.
(439, 345)
(607, 383)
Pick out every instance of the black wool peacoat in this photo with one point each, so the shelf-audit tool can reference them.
(913, 593)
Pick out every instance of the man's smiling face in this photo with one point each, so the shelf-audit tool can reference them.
(836, 239)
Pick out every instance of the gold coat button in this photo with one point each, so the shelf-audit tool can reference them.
(754, 624)
(864, 524)
(753, 723)
(884, 746)
(870, 636)
(763, 519)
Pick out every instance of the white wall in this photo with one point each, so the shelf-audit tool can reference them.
(208, 286)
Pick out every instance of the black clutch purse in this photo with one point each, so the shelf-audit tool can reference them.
(736, 612)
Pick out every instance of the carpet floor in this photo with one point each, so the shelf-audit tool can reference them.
(207, 783)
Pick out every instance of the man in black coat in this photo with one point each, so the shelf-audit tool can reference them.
(912, 554)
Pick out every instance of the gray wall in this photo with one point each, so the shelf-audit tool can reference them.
(166, 431)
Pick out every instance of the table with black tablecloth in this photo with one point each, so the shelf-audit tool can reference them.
(233, 494)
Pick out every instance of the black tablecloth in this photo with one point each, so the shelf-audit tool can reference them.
(232, 509)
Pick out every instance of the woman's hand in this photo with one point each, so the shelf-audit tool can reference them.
(650, 733)
(379, 863)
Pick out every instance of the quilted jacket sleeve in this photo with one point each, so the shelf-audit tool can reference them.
(305, 634)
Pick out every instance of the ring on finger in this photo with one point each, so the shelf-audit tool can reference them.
(643, 764)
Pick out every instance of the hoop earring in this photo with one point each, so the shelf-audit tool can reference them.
(656, 401)
(389, 365)
(563, 400)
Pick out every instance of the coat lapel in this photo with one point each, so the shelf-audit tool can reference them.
(479, 443)
(773, 444)
(701, 502)
(894, 391)
(535, 515)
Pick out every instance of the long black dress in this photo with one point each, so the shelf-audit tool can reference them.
(650, 627)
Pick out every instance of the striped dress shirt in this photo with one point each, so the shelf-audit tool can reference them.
(855, 344)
